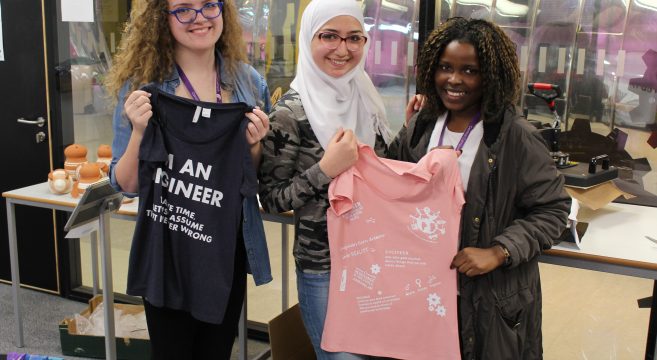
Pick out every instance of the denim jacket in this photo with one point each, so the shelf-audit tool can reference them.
(244, 87)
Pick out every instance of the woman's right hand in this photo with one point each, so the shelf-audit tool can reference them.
(138, 109)
(341, 153)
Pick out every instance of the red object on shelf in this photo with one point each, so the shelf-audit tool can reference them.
(542, 86)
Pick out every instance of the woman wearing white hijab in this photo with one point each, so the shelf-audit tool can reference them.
(334, 95)
(313, 137)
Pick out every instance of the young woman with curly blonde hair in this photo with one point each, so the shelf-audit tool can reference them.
(146, 52)
(192, 49)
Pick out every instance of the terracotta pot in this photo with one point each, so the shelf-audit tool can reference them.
(59, 182)
(104, 154)
(76, 155)
(88, 174)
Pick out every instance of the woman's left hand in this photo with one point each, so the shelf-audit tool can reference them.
(415, 104)
(257, 128)
(473, 261)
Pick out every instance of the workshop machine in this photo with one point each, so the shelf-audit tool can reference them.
(577, 174)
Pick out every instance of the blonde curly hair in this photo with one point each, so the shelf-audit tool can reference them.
(146, 50)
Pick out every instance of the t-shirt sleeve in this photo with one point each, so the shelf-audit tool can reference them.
(152, 148)
(341, 192)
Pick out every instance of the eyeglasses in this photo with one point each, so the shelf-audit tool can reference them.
(331, 41)
(188, 15)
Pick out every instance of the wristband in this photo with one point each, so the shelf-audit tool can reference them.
(507, 255)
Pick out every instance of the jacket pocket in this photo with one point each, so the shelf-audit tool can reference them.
(512, 307)
(505, 335)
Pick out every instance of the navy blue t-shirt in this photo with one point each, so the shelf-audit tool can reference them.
(194, 170)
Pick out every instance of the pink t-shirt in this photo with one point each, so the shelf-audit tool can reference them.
(393, 230)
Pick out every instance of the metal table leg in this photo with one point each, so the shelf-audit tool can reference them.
(94, 260)
(15, 277)
(108, 290)
(285, 273)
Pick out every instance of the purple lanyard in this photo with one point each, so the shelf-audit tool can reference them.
(465, 135)
(190, 88)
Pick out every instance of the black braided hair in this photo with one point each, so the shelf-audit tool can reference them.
(498, 64)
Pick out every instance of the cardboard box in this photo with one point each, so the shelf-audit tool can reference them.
(288, 338)
(598, 196)
(90, 346)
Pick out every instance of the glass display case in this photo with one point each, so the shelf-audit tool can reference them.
(603, 55)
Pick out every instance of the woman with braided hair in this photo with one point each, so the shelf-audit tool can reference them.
(515, 203)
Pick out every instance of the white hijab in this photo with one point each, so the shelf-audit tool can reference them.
(350, 101)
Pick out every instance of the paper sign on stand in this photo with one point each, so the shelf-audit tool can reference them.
(82, 230)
